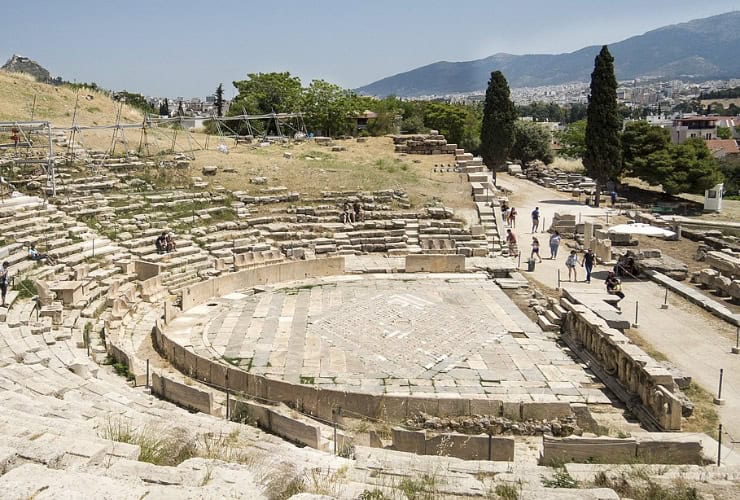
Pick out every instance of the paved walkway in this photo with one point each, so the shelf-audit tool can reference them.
(692, 339)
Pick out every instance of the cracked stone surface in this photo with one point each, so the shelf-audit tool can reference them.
(449, 334)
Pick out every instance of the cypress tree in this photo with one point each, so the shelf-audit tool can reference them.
(602, 158)
(497, 130)
(220, 100)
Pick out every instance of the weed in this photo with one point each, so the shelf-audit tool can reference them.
(207, 476)
(507, 491)
(374, 494)
(424, 488)
(307, 380)
(26, 288)
(561, 478)
(640, 486)
(122, 370)
(284, 482)
(704, 418)
(170, 447)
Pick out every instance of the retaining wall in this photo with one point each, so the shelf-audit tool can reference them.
(320, 402)
(637, 372)
(653, 449)
(308, 398)
(429, 263)
(274, 422)
(182, 395)
(465, 446)
(276, 273)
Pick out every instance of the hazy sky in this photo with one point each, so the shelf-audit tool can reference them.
(185, 48)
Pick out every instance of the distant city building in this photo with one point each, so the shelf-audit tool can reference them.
(704, 127)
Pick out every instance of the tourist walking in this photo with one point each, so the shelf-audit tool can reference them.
(535, 249)
(614, 286)
(571, 262)
(512, 218)
(588, 263)
(511, 242)
(535, 219)
(554, 244)
(613, 197)
(4, 280)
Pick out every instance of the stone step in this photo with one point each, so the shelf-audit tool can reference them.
(546, 325)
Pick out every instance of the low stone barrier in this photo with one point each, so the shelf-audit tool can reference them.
(121, 356)
(276, 273)
(638, 373)
(652, 449)
(181, 394)
(464, 446)
(276, 423)
(430, 263)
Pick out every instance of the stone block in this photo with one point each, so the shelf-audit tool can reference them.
(545, 411)
(670, 448)
(409, 441)
(435, 263)
(587, 450)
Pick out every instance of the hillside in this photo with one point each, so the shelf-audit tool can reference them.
(56, 103)
(700, 49)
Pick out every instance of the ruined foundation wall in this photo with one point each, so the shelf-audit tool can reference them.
(637, 372)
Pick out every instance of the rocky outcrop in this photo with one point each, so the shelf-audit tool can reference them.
(22, 64)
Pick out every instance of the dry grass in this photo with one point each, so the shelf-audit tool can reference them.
(567, 164)
(56, 104)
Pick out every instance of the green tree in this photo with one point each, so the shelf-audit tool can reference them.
(448, 119)
(724, 133)
(602, 157)
(164, 108)
(264, 93)
(499, 115)
(639, 141)
(329, 109)
(389, 113)
(576, 112)
(134, 100)
(573, 140)
(532, 142)
(220, 100)
(730, 168)
(684, 168)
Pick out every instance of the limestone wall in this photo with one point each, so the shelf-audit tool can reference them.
(665, 449)
(429, 263)
(464, 446)
(272, 421)
(276, 273)
(182, 395)
(310, 399)
(321, 402)
(637, 372)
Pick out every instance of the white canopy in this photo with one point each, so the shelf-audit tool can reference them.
(639, 228)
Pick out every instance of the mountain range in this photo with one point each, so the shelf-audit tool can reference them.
(702, 49)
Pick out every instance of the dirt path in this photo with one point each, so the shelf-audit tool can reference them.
(696, 342)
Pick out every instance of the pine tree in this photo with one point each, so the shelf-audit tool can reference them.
(220, 100)
(499, 114)
(602, 158)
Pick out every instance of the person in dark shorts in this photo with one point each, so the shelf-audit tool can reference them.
(535, 249)
(535, 219)
(4, 280)
(588, 263)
